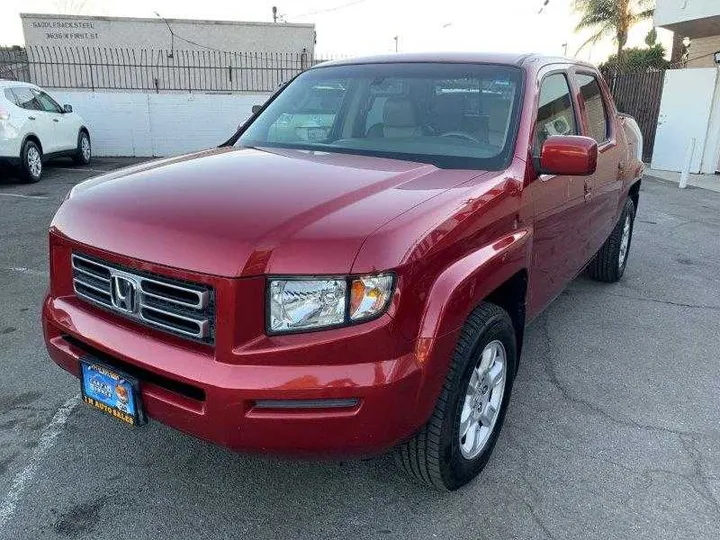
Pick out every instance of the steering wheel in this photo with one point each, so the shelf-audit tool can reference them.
(460, 135)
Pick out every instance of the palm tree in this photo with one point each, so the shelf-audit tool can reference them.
(611, 17)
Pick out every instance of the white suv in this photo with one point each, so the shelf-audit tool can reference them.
(34, 128)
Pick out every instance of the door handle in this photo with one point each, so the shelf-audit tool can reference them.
(31, 118)
(55, 120)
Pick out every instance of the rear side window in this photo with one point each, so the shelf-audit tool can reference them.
(555, 110)
(595, 109)
(26, 99)
(10, 96)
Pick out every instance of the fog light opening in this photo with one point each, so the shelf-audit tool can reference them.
(286, 404)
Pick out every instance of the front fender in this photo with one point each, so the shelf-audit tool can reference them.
(456, 292)
(463, 285)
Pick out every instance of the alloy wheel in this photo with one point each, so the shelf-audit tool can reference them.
(624, 242)
(34, 162)
(483, 400)
(85, 148)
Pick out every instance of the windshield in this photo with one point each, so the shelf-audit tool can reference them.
(450, 115)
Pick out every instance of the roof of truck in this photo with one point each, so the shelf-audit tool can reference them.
(517, 59)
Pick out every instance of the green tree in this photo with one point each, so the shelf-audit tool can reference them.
(636, 59)
(611, 18)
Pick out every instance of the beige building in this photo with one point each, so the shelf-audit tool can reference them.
(698, 20)
(135, 33)
(118, 53)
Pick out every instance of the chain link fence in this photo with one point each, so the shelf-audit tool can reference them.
(155, 70)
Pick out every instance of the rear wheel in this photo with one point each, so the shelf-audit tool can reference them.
(456, 443)
(610, 261)
(31, 162)
(83, 154)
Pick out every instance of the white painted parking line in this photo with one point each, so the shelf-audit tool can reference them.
(18, 195)
(47, 440)
(29, 271)
(85, 170)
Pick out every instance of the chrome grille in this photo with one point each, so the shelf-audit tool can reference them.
(181, 308)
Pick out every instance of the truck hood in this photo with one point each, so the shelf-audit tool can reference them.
(241, 212)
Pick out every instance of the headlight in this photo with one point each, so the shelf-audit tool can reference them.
(297, 304)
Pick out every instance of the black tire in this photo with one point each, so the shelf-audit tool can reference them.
(607, 265)
(433, 455)
(82, 157)
(31, 162)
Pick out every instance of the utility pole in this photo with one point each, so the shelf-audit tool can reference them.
(396, 43)
(172, 35)
(564, 45)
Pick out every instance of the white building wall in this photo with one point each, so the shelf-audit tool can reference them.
(690, 109)
(146, 124)
(669, 12)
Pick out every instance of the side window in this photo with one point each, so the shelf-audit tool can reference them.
(47, 103)
(10, 96)
(24, 98)
(595, 109)
(555, 110)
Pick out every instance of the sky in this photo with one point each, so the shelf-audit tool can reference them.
(354, 27)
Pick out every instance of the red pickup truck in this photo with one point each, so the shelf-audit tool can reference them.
(348, 275)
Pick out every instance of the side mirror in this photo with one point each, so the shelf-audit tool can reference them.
(67, 108)
(256, 109)
(568, 155)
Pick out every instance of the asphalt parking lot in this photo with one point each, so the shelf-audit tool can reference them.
(613, 429)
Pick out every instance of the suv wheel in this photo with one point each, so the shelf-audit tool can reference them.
(609, 263)
(32, 162)
(83, 154)
(456, 443)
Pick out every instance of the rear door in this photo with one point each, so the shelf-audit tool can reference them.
(559, 201)
(605, 186)
(39, 122)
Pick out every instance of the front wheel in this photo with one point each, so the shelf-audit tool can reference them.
(83, 154)
(456, 443)
(610, 261)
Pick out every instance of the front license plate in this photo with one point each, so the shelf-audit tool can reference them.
(111, 391)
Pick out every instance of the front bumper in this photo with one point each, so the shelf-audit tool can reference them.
(187, 388)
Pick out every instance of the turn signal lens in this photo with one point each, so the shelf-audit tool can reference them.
(369, 296)
(4, 115)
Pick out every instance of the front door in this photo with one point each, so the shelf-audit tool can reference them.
(64, 131)
(559, 201)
